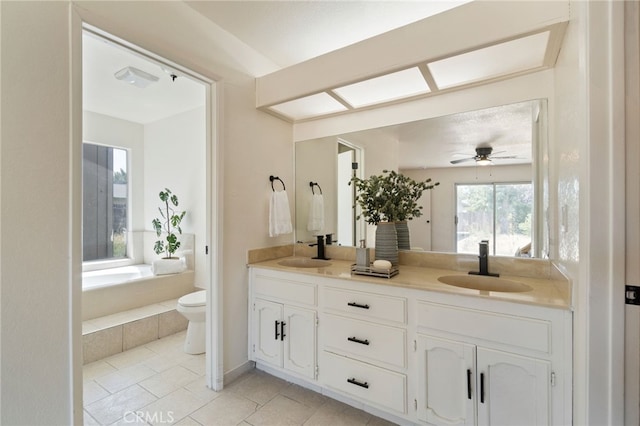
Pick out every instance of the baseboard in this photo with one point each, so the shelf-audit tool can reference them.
(232, 375)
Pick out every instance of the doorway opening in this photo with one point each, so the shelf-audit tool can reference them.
(160, 115)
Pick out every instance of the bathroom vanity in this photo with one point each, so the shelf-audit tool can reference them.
(413, 349)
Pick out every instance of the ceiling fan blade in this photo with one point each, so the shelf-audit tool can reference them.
(462, 160)
(504, 157)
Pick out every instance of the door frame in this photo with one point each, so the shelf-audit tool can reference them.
(213, 188)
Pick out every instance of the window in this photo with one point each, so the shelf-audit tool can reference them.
(498, 212)
(105, 202)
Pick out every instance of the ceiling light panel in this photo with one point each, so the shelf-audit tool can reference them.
(309, 106)
(386, 88)
(501, 59)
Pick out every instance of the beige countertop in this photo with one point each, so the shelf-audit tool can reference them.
(544, 292)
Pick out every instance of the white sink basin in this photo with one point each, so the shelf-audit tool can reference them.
(304, 262)
(485, 283)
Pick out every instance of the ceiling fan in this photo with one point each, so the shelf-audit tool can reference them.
(483, 157)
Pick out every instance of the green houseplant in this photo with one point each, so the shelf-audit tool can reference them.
(390, 198)
(168, 224)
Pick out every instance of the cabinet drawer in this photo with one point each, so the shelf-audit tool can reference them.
(366, 305)
(285, 290)
(522, 332)
(365, 340)
(364, 381)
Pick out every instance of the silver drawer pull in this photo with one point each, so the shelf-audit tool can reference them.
(356, 340)
(357, 383)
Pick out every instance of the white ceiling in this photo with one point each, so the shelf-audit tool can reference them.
(284, 32)
(288, 32)
(104, 94)
(433, 143)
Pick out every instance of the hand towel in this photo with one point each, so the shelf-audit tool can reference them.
(168, 266)
(279, 214)
(315, 221)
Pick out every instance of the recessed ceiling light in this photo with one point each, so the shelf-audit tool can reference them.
(513, 56)
(309, 106)
(136, 77)
(397, 85)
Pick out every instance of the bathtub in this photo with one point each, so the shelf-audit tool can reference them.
(110, 291)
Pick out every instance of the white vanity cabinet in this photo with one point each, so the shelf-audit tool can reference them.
(458, 380)
(415, 356)
(504, 367)
(284, 323)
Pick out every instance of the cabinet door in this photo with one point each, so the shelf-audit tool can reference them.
(512, 389)
(446, 381)
(267, 326)
(300, 341)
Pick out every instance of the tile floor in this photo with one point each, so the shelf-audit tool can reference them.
(158, 383)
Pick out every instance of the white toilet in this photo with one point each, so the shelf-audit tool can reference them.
(193, 307)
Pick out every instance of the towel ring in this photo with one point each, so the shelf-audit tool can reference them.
(272, 178)
(312, 185)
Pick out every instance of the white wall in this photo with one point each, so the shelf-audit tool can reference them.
(38, 210)
(40, 191)
(175, 158)
(256, 145)
(443, 202)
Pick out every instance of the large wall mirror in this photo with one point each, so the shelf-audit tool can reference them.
(491, 165)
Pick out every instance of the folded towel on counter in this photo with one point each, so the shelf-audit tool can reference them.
(168, 266)
(279, 214)
(315, 221)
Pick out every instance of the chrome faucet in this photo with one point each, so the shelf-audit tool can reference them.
(320, 245)
(484, 260)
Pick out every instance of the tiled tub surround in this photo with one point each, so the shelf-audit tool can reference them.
(115, 333)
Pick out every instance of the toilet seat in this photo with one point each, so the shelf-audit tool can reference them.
(198, 298)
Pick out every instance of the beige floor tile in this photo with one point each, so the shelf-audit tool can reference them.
(227, 409)
(168, 381)
(173, 342)
(304, 396)
(112, 408)
(120, 379)
(173, 407)
(137, 333)
(281, 411)
(96, 369)
(258, 387)
(130, 357)
(336, 413)
(88, 420)
(188, 421)
(92, 391)
(377, 421)
(200, 388)
(197, 364)
(160, 363)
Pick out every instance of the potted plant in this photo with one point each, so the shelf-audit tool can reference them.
(168, 224)
(390, 198)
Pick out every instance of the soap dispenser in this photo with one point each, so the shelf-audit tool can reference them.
(362, 255)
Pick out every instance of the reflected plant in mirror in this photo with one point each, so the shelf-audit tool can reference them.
(390, 197)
